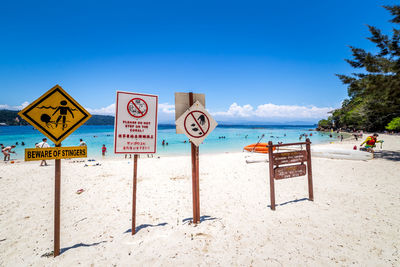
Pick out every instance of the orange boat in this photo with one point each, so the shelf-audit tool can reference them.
(258, 148)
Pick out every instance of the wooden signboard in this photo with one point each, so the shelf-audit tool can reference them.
(290, 157)
(278, 172)
(290, 171)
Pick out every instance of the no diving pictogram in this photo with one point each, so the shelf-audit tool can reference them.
(137, 107)
(196, 124)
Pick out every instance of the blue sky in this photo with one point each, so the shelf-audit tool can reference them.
(254, 60)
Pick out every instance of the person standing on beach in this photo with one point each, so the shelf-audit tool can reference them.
(82, 143)
(43, 144)
(7, 151)
(103, 150)
(370, 142)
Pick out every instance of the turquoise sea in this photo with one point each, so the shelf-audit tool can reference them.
(234, 141)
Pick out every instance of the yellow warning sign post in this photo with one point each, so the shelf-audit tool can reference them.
(56, 114)
(70, 152)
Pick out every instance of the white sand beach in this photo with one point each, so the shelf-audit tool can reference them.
(354, 218)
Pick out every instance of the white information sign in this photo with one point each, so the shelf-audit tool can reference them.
(196, 123)
(135, 123)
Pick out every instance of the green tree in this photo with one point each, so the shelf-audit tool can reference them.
(325, 124)
(374, 93)
(394, 125)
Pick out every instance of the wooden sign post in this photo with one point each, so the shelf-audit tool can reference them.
(196, 123)
(57, 204)
(195, 175)
(135, 132)
(277, 172)
(56, 114)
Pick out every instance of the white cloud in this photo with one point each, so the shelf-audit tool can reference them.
(19, 107)
(236, 111)
(109, 110)
(272, 111)
(166, 108)
(246, 112)
(24, 105)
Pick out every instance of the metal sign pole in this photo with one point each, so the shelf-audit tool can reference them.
(195, 175)
(135, 157)
(309, 171)
(271, 175)
(57, 198)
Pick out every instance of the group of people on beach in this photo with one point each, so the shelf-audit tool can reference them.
(370, 143)
(8, 150)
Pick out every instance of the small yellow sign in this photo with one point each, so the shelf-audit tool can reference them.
(32, 154)
(56, 114)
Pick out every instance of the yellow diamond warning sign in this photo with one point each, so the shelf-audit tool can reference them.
(56, 114)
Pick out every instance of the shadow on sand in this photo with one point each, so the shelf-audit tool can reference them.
(143, 226)
(388, 155)
(62, 250)
(289, 202)
(202, 219)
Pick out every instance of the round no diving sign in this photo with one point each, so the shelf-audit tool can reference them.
(137, 107)
(197, 124)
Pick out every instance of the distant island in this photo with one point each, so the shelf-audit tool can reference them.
(10, 118)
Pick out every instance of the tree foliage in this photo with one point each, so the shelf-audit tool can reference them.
(394, 125)
(374, 92)
(10, 117)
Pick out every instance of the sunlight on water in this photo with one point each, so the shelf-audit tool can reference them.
(236, 137)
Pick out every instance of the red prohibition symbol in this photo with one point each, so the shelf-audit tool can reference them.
(196, 122)
(137, 107)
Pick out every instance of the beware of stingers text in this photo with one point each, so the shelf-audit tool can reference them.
(32, 154)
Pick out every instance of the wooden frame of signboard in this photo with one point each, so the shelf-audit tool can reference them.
(277, 172)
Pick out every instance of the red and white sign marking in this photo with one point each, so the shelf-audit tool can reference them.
(196, 123)
(137, 107)
(135, 123)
